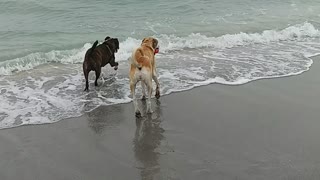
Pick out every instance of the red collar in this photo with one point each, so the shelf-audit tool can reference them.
(156, 51)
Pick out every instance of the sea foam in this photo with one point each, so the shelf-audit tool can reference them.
(167, 43)
(54, 90)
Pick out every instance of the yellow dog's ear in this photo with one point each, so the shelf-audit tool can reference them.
(154, 43)
(143, 40)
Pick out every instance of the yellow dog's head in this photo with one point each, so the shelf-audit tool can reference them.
(150, 41)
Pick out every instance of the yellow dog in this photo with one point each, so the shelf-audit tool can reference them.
(143, 69)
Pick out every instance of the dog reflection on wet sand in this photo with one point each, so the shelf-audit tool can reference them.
(148, 137)
(98, 124)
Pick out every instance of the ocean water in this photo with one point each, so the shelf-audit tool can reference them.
(231, 42)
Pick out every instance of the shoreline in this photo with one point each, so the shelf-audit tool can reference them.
(265, 129)
(317, 55)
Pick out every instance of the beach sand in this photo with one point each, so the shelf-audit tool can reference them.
(267, 129)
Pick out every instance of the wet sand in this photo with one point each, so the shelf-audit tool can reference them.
(267, 129)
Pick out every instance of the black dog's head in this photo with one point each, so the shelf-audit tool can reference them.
(113, 43)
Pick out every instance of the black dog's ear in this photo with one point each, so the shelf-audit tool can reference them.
(107, 38)
(117, 42)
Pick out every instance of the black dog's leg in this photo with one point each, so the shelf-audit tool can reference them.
(86, 74)
(98, 72)
(113, 63)
(87, 83)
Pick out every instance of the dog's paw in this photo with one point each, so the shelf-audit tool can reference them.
(157, 95)
(149, 111)
(138, 113)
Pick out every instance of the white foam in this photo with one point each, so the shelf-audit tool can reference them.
(35, 59)
(196, 40)
(126, 48)
(54, 92)
(167, 43)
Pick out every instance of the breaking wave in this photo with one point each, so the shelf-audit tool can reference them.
(167, 42)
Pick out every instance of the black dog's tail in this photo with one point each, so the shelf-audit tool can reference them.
(93, 46)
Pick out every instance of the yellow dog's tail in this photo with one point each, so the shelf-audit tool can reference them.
(141, 60)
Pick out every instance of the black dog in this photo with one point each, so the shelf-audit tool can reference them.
(98, 56)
